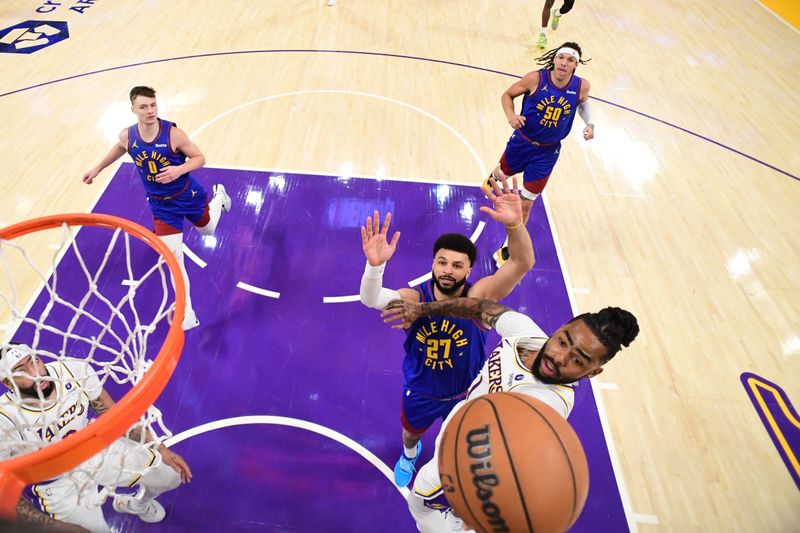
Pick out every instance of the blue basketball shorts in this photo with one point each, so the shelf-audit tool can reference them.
(535, 162)
(419, 411)
(168, 214)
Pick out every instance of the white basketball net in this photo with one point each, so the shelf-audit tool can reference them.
(104, 308)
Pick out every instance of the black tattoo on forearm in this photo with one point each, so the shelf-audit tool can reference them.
(98, 406)
(485, 310)
(28, 514)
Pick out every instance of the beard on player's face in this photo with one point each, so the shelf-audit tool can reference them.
(451, 289)
(45, 386)
(543, 358)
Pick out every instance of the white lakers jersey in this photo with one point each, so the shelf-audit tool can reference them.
(503, 371)
(31, 424)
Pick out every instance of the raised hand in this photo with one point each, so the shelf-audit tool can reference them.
(505, 200)
(374, 241)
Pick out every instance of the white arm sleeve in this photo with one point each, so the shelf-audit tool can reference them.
(372, 293)
(585, 112)
(514, 324)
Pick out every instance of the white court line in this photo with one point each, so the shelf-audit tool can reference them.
(646, 518)
(423, 278)
(601, 410)
(191, 255)
(258, 290)
(606, 385)
(340, 299)
(336, 173)
(296, 423)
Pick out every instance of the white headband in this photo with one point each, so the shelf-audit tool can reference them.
(570, 51)
(11, 356)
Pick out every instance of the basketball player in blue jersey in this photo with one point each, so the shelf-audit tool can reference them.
(443, 354)
(165, 157)
(551, 97)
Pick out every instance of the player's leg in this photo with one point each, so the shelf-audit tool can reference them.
(128, 463)
(542, 41)
(416, 416)
(168, 225)
(206, 218)
(534, 178)
(514, 160)
(64, 500)
(558, 12)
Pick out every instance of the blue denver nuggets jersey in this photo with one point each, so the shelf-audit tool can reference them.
(151, 158)
(550, 111)
(443, 354)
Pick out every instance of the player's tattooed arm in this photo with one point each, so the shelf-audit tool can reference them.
(405, 313)
(29, 515)
(102, 403)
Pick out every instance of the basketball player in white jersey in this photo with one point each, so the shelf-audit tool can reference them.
(525, 361)
(47, 402)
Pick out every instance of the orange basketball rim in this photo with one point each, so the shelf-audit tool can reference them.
(68, 453)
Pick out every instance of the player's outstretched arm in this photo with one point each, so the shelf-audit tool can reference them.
(378, 250)
(30, 516)
(405, 313)
(508, 210)
(181, 143)
(117, 151)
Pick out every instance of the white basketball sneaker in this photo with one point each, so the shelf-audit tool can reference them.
(150, 512)
(219, 189)
(189, 319)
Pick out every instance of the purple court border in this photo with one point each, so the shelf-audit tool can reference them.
(398, 56)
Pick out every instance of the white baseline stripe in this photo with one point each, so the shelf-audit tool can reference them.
(296, 423)
(194, 257)
(601, 410)
(481, 168)
(258, 290)
(336, 173)
(341, 299)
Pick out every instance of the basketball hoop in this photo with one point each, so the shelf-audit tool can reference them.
(148, 379)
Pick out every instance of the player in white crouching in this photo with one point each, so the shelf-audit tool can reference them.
(525, 361)
(45, 403)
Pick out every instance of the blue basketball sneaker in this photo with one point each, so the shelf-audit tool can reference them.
(404, 468)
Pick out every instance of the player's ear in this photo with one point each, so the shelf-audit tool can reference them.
(594, 372)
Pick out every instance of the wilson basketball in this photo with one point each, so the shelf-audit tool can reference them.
(509, 462)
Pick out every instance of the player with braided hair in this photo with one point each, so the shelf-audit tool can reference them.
(526, 361)
(551, 97)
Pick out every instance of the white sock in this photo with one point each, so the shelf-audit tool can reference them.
(410, 452)
(543, 31)
(175, 243)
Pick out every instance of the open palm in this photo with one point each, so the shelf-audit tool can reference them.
(506, 202)
(377, 248)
